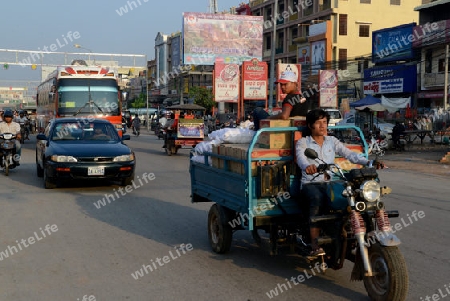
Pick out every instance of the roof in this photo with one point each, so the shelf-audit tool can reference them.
(431, 4)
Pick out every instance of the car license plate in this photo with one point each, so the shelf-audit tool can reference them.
(96, 171)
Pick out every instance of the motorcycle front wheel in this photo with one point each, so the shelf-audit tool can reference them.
(390, 280)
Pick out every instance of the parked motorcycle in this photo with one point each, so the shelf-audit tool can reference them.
(358, 229)
(377, 146)
(7, 151)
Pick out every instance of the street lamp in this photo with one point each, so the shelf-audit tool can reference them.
(81, 47)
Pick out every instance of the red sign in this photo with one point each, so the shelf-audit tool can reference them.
(255, 76)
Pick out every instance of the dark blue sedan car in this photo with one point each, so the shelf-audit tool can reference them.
(77, 148)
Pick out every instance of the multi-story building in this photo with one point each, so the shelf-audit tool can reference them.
(343, 42)
(433, 44)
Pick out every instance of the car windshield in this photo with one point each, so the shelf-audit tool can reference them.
(91, 131)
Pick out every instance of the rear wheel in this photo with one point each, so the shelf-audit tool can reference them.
(390, 282)
(219, 231)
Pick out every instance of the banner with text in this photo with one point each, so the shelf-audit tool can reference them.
(255, 75)
(226, 82)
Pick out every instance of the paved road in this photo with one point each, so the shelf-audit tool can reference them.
(92, 253)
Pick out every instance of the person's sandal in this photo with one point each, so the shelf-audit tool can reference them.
(317, 252)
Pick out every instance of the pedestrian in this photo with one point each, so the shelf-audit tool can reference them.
(136, 123)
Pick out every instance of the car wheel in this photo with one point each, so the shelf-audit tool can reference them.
(48, 184)
(39, 170)
(127, 181)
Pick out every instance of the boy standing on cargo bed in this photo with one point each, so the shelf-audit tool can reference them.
(294, 104)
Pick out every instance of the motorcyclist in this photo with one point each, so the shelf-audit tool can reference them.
(397, 131)
(9, 126)
(23, 119)
(314, 188)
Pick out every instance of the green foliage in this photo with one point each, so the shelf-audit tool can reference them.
(202, 97)
(139, 102)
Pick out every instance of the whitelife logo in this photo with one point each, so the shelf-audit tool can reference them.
(25, 243)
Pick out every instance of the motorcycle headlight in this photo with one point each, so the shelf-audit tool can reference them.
(124, 158)
(57, 158)
(370, 190)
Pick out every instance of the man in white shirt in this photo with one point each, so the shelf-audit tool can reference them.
(9, 126)
(23, 119)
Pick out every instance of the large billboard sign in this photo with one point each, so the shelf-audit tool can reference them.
(390, 79)
(232, 38)
(226, 82)
(255, 75)
(432, 33)
(393, 44)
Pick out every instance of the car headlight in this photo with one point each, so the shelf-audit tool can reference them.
(57, 158)
(124, 158)
(370, 190)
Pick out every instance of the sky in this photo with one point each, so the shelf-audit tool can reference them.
(102, 26)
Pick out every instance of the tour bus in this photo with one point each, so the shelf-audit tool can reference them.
(80, 91)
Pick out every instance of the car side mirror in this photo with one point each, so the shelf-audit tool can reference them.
(41, 137)
(126, 137)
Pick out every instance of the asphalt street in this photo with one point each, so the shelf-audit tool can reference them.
(76, 248)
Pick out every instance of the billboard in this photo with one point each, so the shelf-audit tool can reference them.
(429, 34)
(390, 79)
(318, 56)
(255, 75)
(393, 44)
(232, 38)
(328, 85)
(226, 82)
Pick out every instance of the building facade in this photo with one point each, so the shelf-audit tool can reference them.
(343, 42)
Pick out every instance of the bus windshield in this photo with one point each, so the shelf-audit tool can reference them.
(88, 97)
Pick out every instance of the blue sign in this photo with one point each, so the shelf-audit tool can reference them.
(393, 44)
(390, 79)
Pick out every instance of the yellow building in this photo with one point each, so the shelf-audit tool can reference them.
(300, 38)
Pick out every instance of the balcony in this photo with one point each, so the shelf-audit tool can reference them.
(433, 79)
(293, 47)
(267, 53)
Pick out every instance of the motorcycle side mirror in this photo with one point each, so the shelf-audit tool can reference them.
(311, 154)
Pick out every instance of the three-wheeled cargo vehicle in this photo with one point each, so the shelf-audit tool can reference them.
(258, 189)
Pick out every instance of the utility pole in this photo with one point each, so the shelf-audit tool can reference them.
(272, 57)
(446, 78)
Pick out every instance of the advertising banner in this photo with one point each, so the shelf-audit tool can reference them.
(226, 82)
(295, 68)
(318, 56)
(234, 38)
(390, 79)
(393, 44)
(431, 33)
(255, 75)
(328, 85)
(191, 128)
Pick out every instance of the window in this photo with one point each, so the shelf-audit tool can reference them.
(441, 65)
(342, 25)
(395, 2)
(365, 64)
(268, 42)
(365, 1)
(428, 61)
(342, 59)
(364, 30)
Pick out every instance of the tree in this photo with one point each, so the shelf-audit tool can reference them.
(202, 97)
(139, 102)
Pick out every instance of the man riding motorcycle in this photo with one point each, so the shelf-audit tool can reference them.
(9, 126)
(23, 119)
(315, 187)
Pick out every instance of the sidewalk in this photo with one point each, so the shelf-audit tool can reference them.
(427, 158)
